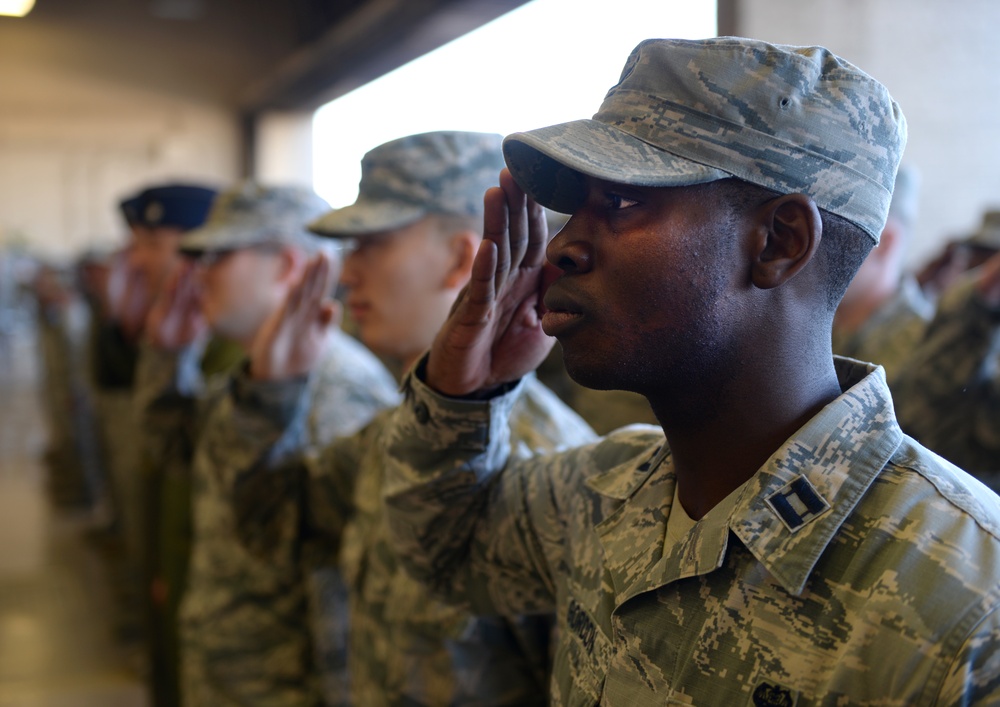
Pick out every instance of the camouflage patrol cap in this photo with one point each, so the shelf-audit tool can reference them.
(791, 119)
(404, 180)
(130, 209)
(251, 214)
(988, 235)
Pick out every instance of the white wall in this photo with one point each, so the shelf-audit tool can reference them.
(100, 99)
(76, 145)
(940, 61)
(284, 148)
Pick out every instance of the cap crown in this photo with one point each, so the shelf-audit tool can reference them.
(791, 119)
(404, 180)
(252, 214)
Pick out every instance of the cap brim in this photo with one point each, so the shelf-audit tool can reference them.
(550, 163)
(365, 217)
(211, 239)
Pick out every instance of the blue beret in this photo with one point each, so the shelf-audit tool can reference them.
(181, 205)
(131, 209)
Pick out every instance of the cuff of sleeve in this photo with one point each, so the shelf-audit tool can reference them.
(181, 368)
(458, 423)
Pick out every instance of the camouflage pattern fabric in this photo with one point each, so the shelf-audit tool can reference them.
(790, 119)
(856, 568)
(406, 648)
(890, 335)
(245, 625)
(948, 397)
(404, 180)
(251, 214)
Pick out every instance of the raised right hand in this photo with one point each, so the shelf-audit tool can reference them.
(175, 320)
(292, 339)
(988, 281)
(493, 334)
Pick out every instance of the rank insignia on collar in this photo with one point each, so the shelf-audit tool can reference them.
(797, 502)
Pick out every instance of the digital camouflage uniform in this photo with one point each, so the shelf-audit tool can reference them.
(161, 484)
(246, 628)
(245, 625)
(948, 397)
(855, 568)
(405, 648)
(891, 334)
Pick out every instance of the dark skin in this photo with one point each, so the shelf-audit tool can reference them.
(713, 309)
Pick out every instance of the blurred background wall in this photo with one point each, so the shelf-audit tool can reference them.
(99, 97)
(941, 62)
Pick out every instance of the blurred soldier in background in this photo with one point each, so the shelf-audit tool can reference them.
(948, 396)
(960, 256)
(884, 312)
(416, 227)
(244, 624)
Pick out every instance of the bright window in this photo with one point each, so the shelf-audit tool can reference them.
(547, 62)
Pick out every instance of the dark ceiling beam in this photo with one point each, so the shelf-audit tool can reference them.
(381, 35)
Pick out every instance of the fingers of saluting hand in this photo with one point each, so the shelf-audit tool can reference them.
(517, 218)
(187, 288)
(307, 299)
(538, 236)
(322, 283)
(481, 293)
(496, 229)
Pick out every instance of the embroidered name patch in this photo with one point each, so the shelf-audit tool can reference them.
(797, 502)
(579, 623)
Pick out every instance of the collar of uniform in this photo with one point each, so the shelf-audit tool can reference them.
(621, 481)
(839, 452)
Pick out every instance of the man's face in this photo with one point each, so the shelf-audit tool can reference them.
(239, 289)
(154, 253)
(396, 288)
(645, 302)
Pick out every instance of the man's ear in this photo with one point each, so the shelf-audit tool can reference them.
(789, 229)
(462, 247)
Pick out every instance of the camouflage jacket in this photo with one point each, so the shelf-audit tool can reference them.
(855, 568)
(404, 647)
(889, 336)
(245, 631)
(948, 397)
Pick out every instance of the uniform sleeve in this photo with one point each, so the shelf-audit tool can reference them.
(948, 396)
(263, 425)
(168, 386)
(113, 358)
(283, 481)
(974, 678)
(476, 527)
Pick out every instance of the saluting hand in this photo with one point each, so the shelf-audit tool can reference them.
(292, 339)
(988, 281)
(132, 301)
(493, 334)
(175, 320)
